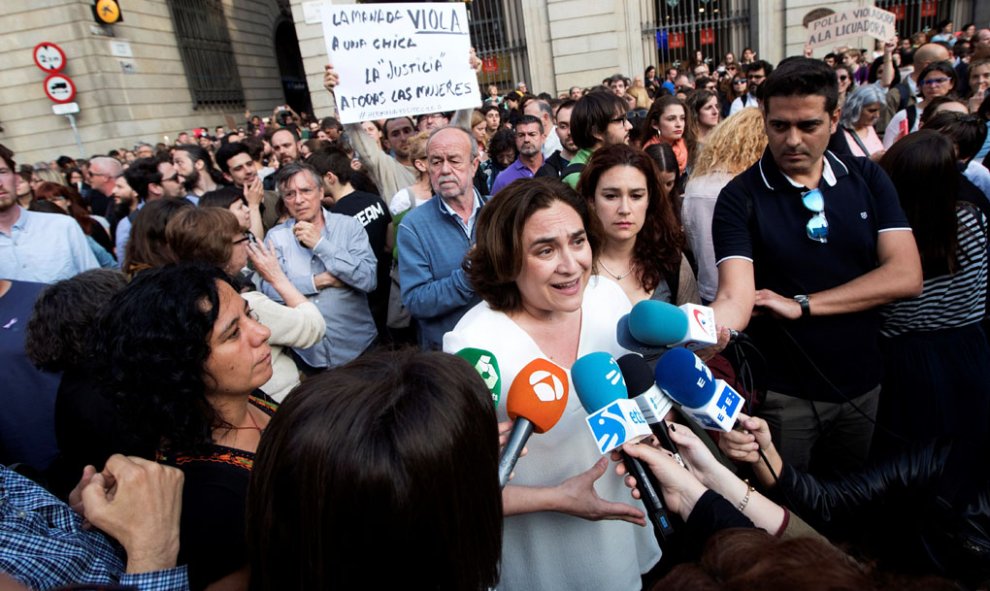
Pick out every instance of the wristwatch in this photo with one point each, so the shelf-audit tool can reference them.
(805, 305)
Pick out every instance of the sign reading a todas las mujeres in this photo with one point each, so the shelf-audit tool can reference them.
(857, 22)
(400, 59)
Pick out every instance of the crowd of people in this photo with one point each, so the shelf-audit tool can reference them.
(230, 360)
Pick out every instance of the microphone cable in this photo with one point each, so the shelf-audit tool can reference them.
(835, 389)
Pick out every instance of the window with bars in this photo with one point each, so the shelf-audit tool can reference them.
(207, 54)
(685, 27)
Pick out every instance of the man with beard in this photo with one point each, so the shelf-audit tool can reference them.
(561, 157)
(195, 167)
(34, 246)
(146, 179)
(241, 171)
(529, 142)
(285, 148)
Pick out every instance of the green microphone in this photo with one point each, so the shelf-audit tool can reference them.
(486, 365)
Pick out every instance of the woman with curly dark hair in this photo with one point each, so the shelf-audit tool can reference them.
(182, 353)
(86, 421)
(644, 245)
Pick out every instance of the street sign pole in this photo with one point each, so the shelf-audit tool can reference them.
(75, 132)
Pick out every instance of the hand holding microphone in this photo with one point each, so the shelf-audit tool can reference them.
(615, 420)
(746, 445)
(681, 489)
(653, 403)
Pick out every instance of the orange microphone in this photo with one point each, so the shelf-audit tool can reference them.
(536, 400)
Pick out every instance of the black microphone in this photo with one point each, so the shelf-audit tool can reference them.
(653, 403)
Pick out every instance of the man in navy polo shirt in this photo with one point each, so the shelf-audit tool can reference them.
(809, 245)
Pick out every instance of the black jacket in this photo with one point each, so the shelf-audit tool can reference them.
(925, 510)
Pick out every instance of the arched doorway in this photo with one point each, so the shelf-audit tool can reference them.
(290, 67)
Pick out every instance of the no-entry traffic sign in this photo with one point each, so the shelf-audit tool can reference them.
(60, 88)
(49, 57)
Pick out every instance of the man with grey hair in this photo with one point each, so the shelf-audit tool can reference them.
(328, 258)
(103, 173)
(542, 110)
(434, 238)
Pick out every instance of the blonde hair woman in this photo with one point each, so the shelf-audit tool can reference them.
(420, 191)
(730, 148)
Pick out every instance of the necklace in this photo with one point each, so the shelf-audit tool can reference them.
(254, 424)
(617, 277)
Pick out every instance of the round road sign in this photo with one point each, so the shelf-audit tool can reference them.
(60, 88)
(49, 57)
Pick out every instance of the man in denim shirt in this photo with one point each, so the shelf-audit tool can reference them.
(328, 258)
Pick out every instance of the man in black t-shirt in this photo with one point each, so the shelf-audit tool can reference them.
(334, 167)
(813, 243)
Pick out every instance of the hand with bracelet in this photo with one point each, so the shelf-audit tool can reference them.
(709, 473)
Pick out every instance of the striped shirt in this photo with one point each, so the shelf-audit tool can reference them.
(948, 301)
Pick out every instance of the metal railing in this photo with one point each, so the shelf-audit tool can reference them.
(680, 28)
(207, 53)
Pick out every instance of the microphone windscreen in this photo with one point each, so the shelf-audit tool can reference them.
(485, 363)
(636, 373)
(685, 378)
(538, 394)
(629, 342)
(657, 323)
(597, 381)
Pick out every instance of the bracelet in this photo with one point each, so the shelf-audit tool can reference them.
(745, 501)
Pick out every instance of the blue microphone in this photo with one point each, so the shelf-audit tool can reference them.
(658, 323)
(614, 419)
(684, 377)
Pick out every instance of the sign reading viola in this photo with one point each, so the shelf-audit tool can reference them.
(400, 59)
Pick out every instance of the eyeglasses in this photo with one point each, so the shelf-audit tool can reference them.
(739, 81)
(934, 81)
(620, 119)
(247, 237)
(303, 192)
(817, 227)
(843, 78)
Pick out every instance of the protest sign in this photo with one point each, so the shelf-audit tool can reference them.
(400, 59)
(871, 21)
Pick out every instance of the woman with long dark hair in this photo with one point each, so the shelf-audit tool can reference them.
(147, 247)
(938, 360)
(643, 249)
(352, 469)
(667, 122)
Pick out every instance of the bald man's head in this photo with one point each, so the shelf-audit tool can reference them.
(929, 53)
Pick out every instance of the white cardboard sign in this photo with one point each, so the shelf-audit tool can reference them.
(400, 59)
(871, 21)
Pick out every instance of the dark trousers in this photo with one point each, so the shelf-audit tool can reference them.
(824, 437)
